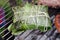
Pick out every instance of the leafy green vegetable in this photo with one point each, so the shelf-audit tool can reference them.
(14, 30)
(31, 17)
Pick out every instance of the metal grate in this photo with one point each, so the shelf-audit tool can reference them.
(5, 34)
(27, 34)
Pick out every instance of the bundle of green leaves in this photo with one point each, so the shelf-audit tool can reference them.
(30, 17)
